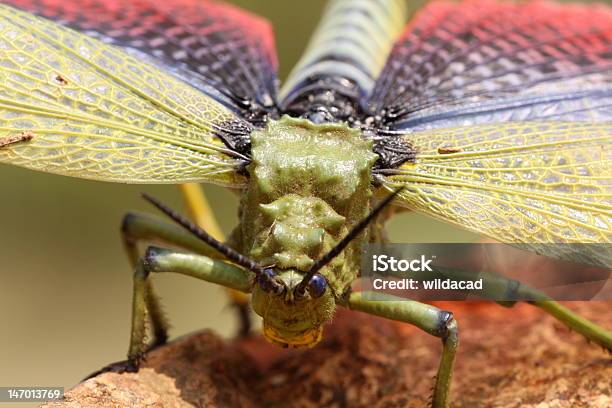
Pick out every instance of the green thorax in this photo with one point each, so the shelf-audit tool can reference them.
(309, 184)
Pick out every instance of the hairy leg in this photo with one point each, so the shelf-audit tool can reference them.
(432, 320)
(158, 260)
(137, 227)
(506, 292)
(200, 211)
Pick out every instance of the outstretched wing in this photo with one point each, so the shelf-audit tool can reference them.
(501, 115)
(481, 61)
(225, 52)
(522, 182)
(71, 105)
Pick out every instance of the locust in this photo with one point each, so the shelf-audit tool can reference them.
(491, 116)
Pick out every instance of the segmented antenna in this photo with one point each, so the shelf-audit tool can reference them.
(224, 249)
(335, 251)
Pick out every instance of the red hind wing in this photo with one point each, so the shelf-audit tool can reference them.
(483, 61)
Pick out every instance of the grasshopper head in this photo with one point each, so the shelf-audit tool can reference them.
(297, 231)
(292, 317)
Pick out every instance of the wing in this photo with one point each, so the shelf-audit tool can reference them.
(225, 52)
(70, 104)
(497, 117)
(481, 61)
(522, 182)
(342, 60)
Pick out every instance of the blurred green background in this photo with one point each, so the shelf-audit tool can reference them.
(65, 285)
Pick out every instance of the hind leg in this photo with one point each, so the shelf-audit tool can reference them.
(507, 292)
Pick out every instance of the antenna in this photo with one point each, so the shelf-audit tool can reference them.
(335, 251)
(224, 249)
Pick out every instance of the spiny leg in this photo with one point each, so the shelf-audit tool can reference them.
(138, 227)
(432, 320)
(506, 292)
(587, 328)
(166, 260)
(499, 287)
(135, 228)
(200, 211)
(144, 304)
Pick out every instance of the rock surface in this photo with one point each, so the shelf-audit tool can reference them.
(517, 357)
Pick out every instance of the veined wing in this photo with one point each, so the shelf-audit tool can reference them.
(522, 182)
(71, 105)
(482, 61)
(223, 51)
(501, 115)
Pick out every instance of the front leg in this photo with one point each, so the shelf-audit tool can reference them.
(141, 227)
(166, 260)
(201, 212)
(432, 320)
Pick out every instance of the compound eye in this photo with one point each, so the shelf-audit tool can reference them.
(267, 281)
(317, 285)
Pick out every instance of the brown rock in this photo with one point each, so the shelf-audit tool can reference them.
(516, 357)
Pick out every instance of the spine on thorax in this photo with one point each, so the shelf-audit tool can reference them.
(309, 184)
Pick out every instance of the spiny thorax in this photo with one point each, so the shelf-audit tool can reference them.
(308, 185)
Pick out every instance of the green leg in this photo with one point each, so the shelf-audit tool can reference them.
(588, 329)
(165, 260)
(432, 320)
(142, 227)
(505, 292)
(200, 211)
(140, 310)
(138, 227)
